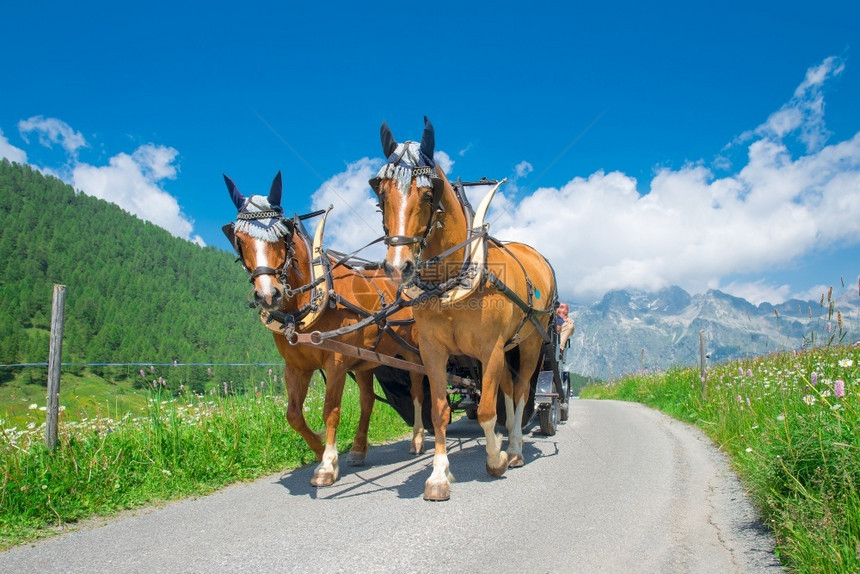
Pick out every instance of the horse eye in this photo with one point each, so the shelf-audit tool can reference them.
(428, 196)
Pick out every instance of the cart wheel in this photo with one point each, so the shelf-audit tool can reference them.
(564, 412)
(549, 418)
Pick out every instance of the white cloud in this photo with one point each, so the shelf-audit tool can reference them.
(10, 152)
(524, 168)
(444, 160)
(354, 221)
(133, 183)
(52, 131)
(805, 110)
(465, 150)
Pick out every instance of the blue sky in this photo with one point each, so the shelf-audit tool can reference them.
(705, 144)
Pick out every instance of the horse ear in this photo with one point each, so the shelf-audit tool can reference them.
(235, 194)
(388, 142)
(275, 191)
(428, 139)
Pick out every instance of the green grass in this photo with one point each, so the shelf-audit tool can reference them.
(795, 443)
(175, 445)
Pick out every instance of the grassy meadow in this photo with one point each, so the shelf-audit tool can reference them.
(790, 423)
(146, 445)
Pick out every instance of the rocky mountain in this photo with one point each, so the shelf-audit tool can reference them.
(632, 331)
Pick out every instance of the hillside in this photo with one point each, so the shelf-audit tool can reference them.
(612, 335)
(134, 292)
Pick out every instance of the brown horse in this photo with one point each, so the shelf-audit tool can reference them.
(277, 254)
(427, 230)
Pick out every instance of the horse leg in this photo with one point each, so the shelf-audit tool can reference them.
(515, 404)
(297, 383)
(417, 392)
(495, 374)
(358, 452)
(327, 472)
(435, 359)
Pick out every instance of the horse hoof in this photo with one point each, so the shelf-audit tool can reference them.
(321, 479)
(500, 470)
(416, 449)
(356, 458)
(437, 492)
(515, 460)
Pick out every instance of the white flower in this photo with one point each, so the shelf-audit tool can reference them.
(749, 449)
(33, 406)
(809, 400)
(846, 363)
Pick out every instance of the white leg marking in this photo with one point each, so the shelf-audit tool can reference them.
(417, 429)
(515, 429)
(329, 461)
(494, 443)
(441, 470)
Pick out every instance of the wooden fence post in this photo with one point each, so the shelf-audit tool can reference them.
(55, 354)
(702, 360)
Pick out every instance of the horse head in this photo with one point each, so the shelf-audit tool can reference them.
(409, 187)
(263, 240)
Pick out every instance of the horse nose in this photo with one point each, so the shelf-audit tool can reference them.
(271, 299)
(399, 273)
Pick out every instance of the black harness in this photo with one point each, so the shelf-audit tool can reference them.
(292, 319)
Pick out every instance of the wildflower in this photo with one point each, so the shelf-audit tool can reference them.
(749, 449)
(181, 388)
(44, 487)
(781, 417)
(151, 369)
(33, 406)
(749, 372)
(809, 400)
(166, 472)
(175, 363)
(845, 363)
(31, 425)
(270, 372)
(225, 387)
(154, 384)
(142, 373)
(839, 388)
(813, 378)
(741, 371)
(740, 399)
(835, 407)
(209, 371)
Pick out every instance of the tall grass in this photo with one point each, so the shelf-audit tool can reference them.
(181, 444)
(790, 423)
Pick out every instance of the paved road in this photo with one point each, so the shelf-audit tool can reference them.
(620, 488)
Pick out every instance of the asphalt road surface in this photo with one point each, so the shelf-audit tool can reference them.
(619, 488)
